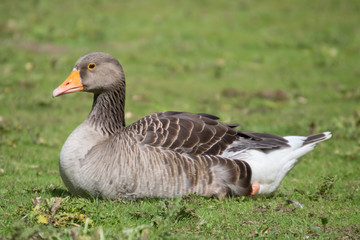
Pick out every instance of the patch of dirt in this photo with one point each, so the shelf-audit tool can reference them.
(274, 95)
(233, 93)
(350, 232)
(41, 47)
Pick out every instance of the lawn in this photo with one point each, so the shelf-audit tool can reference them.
(283, 67)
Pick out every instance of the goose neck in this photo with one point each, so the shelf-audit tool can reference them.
(107, 114)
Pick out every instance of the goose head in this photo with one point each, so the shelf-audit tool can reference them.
(95, 72)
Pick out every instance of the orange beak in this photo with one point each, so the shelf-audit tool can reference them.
(71, 84)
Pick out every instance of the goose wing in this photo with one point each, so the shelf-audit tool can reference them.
(198, 134)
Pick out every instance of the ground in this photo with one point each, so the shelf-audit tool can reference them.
(283, 67)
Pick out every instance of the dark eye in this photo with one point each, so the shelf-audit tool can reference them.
(91, 66)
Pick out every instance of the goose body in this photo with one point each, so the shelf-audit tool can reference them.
(165, 154)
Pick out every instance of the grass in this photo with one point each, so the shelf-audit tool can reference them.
(274, 66)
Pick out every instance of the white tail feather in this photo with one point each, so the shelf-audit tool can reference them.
(270, 167)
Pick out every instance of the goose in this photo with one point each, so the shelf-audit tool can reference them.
(165, 154)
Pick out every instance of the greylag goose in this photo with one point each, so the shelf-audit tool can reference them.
(165, 154)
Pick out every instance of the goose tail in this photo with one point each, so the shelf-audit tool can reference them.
(270, 168)
(314, 139)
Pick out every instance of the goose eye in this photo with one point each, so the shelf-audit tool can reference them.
(91, 66)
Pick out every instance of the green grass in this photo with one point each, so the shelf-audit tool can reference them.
(282, 67)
